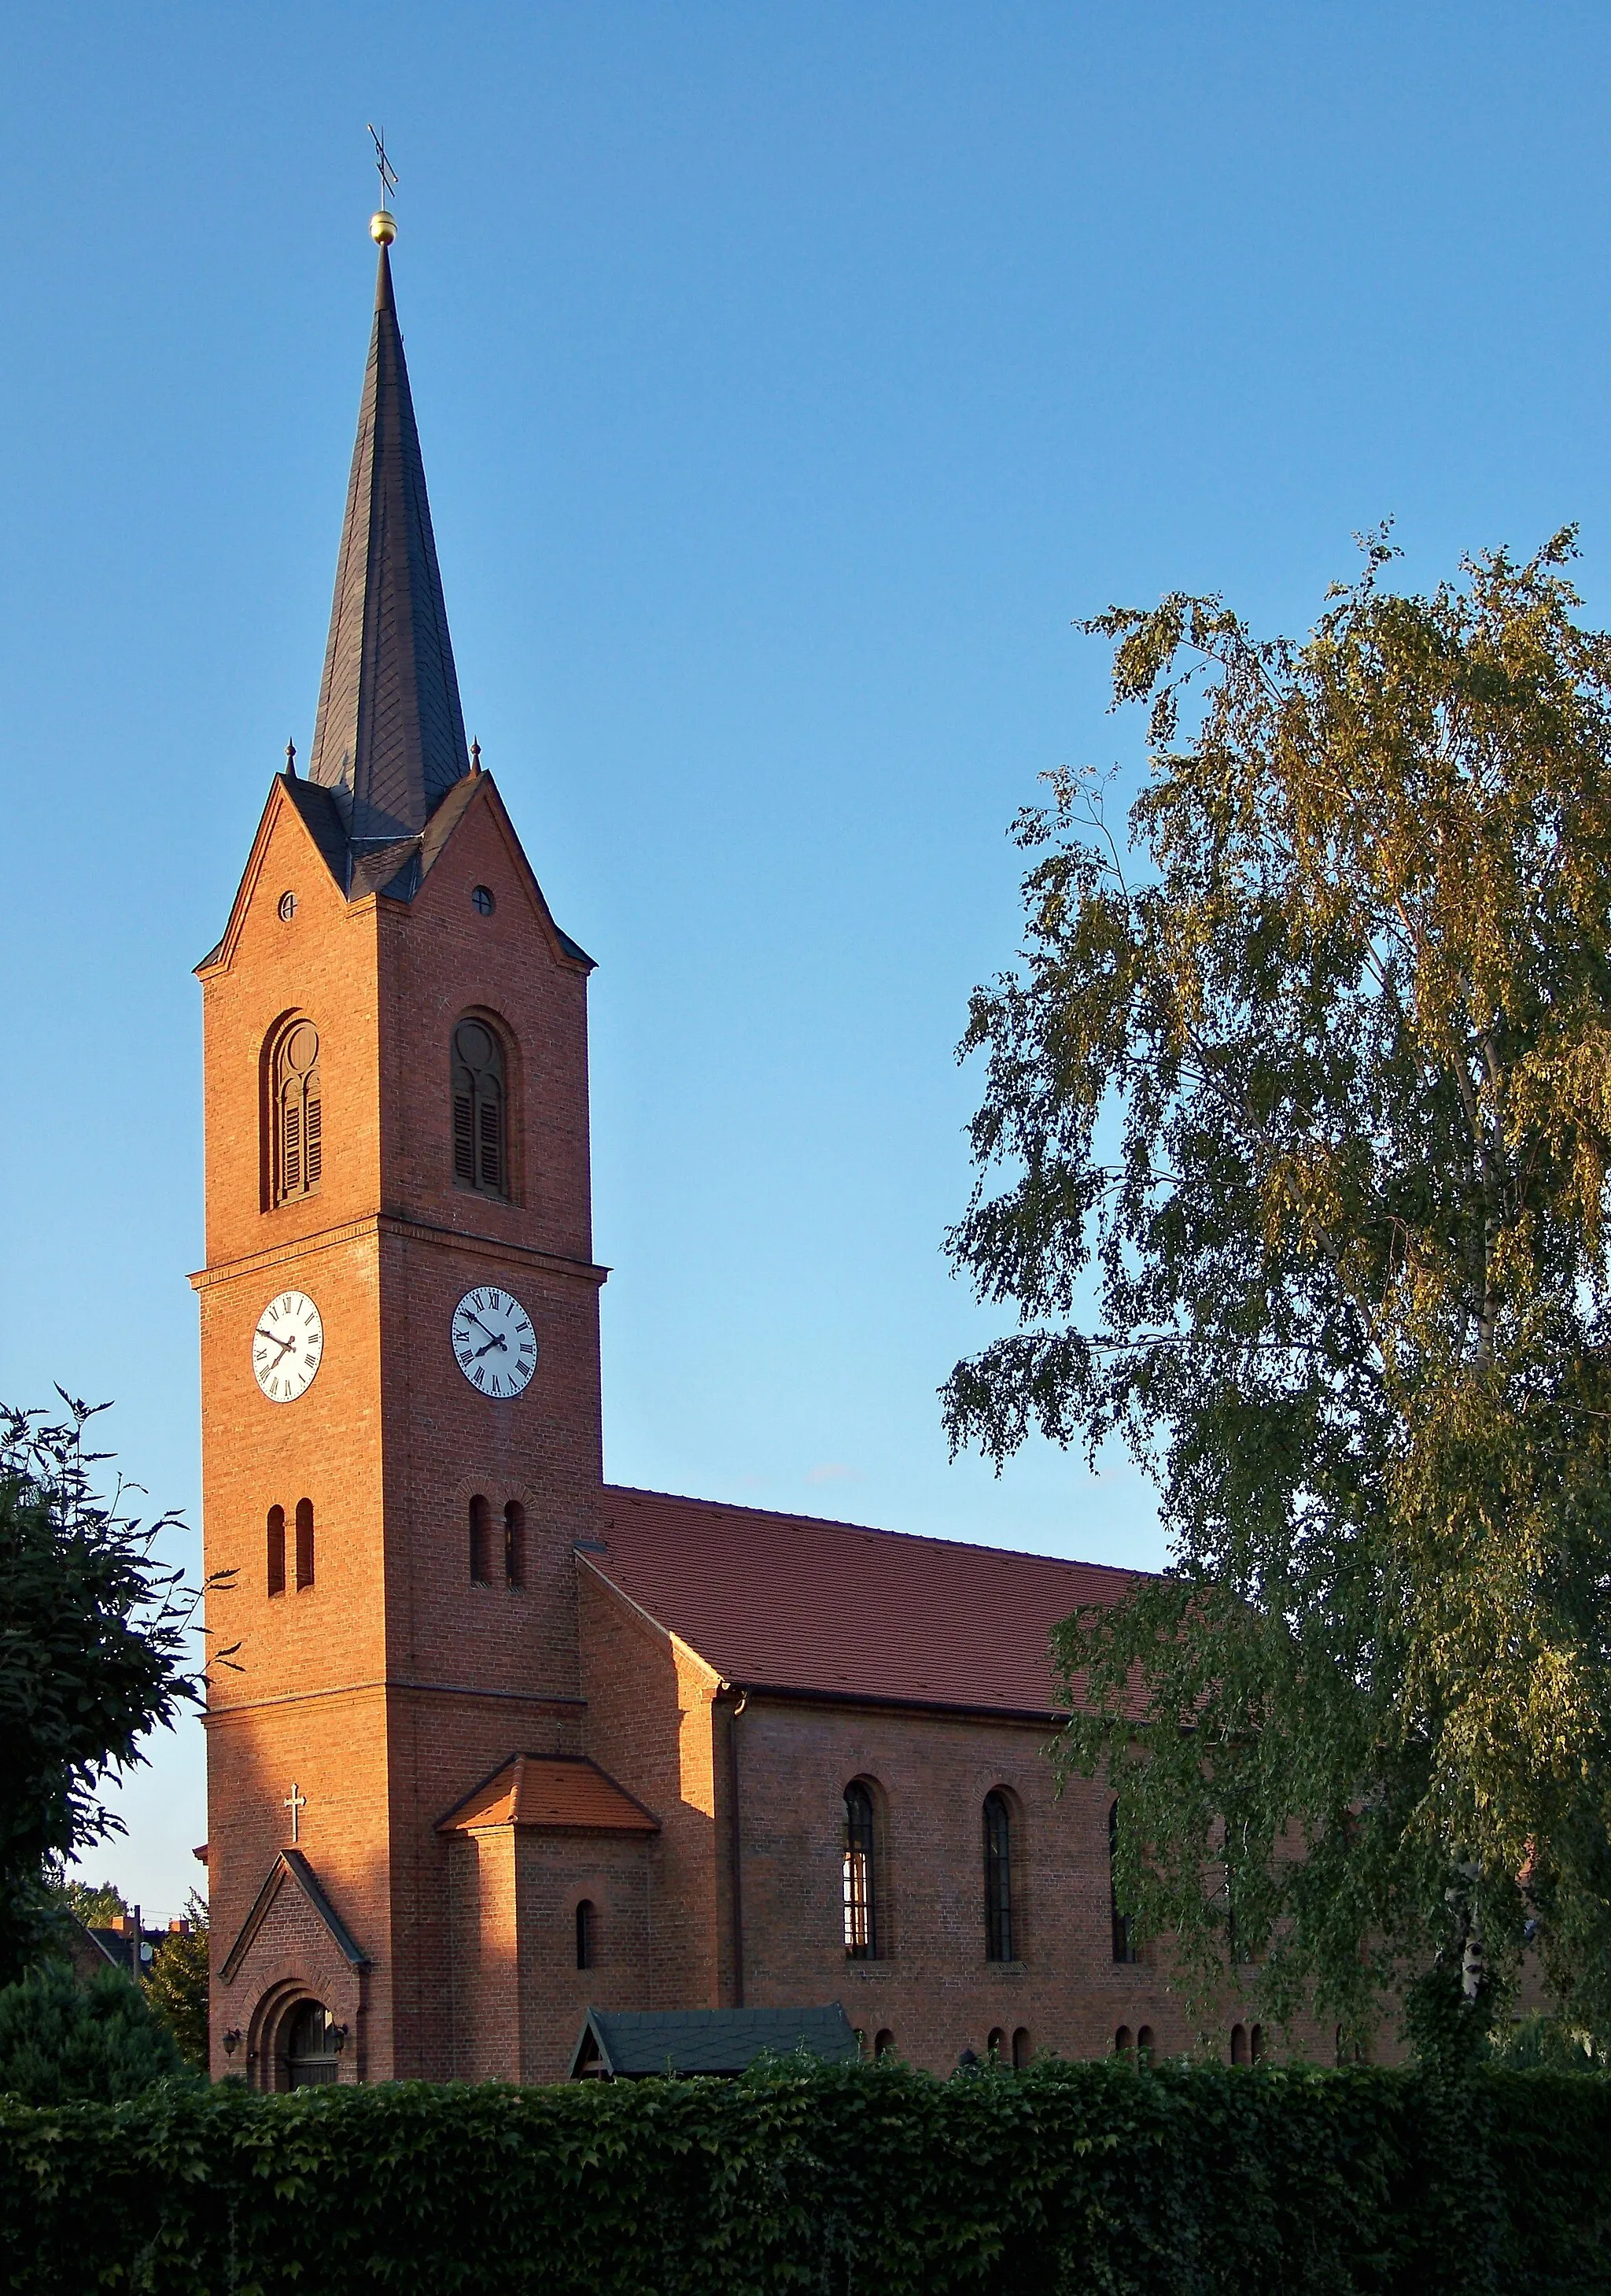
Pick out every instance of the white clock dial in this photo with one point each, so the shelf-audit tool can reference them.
(494, 1344)
(287, 1347)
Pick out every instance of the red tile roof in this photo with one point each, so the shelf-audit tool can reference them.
(563, 1790)
(790, 1603)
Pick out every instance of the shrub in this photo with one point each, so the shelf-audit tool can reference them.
(1074, 2180)
(62, 2041)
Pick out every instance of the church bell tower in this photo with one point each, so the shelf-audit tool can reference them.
(399, 1323)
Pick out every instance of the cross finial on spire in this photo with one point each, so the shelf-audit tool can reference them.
(387, 173)
(383, 224)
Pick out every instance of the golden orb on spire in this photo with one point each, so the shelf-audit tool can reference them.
(382, 228)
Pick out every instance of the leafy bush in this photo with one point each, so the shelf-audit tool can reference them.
(1547, 2041)
(62, 2041)
(1074, 2180)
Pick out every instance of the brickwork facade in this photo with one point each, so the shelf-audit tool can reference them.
(382, 1691)
(396, 1665)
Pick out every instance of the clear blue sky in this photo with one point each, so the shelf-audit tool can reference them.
(790, 379)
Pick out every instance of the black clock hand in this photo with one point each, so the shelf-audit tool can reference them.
(471, 1316)
(284, 1346)
(496, 1341)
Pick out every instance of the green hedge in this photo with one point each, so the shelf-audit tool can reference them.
(1068, 2178)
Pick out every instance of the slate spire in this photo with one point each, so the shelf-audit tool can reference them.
(389, 742)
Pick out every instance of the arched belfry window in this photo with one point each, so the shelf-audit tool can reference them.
(297, 1149)
(480, 1109)
(861, 1878)
(998, 1878)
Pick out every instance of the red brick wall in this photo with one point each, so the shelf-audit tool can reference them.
(554, 1870)
(932, 1985)
(392, 1686)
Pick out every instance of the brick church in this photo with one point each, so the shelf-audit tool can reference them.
(501, 1742)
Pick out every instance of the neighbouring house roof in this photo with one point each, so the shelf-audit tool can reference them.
(833, 1609)
(114, 1945)
(564, 1793)
(635, 2044)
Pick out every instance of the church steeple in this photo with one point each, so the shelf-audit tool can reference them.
(389, 742)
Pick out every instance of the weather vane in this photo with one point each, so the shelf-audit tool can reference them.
(382, 225)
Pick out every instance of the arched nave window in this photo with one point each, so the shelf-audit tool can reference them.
(861, 1878)
(998, 1878)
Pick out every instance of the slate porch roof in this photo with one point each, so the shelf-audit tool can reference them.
(834, 1610)
(291, 1866)
(636, 2044)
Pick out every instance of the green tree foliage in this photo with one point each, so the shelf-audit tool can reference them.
(96, 1905)
(1294, 1152)
(62, 2041)
(177, 1986)
(92, 1656)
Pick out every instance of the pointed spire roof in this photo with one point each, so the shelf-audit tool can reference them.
(389, 742)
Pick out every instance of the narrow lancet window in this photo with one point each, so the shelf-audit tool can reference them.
(584, 1934)
(480, 1114)
(480, 1542)
(998, 1878)
(514, 1543)
(277, 1550)
(305, 1543)
(860, 1875)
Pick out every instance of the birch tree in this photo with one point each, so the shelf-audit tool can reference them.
(1292, 1166)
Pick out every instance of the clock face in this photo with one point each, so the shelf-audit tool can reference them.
(287, 1346)
(492, 1341)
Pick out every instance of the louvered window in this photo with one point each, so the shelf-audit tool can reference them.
(480, 1109)
(298, 1121)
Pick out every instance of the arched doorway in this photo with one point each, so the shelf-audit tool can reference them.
(311, 2050)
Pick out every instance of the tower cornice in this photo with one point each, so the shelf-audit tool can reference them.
(412, 1231)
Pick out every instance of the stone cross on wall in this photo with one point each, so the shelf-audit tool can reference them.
(296, 1801)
